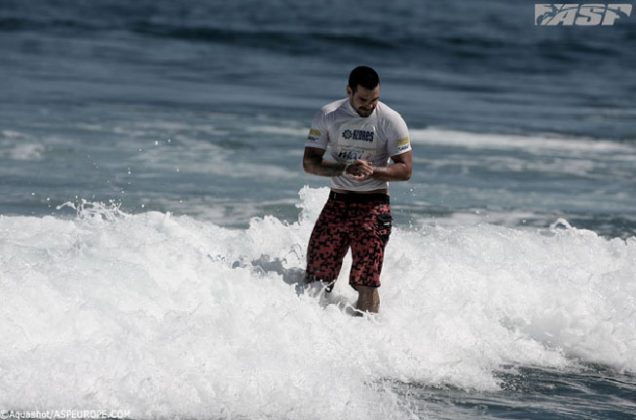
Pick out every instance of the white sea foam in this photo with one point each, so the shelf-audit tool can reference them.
(26, 151)
(536, 143)
(297, 132)
(19, 146)
(187, 154)
(175, 317)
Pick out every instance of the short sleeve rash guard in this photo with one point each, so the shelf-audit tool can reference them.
(349, 137)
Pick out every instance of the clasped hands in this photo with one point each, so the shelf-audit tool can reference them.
(360, 170)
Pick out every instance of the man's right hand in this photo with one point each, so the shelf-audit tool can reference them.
(360, 170)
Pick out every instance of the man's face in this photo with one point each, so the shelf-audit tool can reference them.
(364, 100)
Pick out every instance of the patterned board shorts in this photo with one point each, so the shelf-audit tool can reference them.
(361, 222)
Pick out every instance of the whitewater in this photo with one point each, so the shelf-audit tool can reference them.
(170, 316)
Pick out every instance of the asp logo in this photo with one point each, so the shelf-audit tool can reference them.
(592, 14)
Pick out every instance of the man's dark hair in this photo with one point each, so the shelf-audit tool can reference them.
(363, 76)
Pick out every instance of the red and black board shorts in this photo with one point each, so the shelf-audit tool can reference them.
(361, 222)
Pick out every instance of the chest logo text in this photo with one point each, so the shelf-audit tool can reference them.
(361, 135)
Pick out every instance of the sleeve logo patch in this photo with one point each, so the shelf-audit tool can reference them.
(403, 144)
(314, 135)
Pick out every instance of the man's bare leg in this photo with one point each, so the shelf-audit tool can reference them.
(368, 299)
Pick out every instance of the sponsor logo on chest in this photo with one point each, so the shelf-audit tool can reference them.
(360, 135)
(352, 155)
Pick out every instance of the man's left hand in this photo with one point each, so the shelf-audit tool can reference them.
(360, 170)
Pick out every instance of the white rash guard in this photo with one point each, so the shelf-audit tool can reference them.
(351, 137)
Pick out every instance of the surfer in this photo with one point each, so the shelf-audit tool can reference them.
(369, 146)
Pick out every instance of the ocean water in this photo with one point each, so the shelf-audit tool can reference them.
(154, 214)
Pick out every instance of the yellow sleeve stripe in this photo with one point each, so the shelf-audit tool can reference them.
(403, 141)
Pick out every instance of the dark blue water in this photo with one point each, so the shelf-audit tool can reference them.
(200, 108)
(480, 66)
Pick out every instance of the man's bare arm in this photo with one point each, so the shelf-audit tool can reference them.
(400, 170)
(313, 163)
